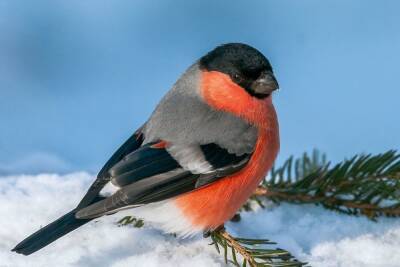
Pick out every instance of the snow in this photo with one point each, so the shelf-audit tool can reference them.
(313, 234)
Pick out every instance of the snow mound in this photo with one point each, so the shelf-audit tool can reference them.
(312, 234)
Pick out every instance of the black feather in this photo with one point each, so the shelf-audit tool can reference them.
(50, 233)
(133, 143)
(219, 157)
(160, 178)
(144, 162)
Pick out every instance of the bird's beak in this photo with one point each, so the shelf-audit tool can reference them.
(265, 84)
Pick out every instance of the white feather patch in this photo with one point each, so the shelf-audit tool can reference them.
(191, 158)
(167, 216)
(109, 189)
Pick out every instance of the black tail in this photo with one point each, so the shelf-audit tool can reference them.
(50, 233)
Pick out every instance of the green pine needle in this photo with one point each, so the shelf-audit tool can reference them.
(365, 184)
(253, 252)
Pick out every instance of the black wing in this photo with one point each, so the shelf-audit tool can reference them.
(147, 173)
(151, 174)
(92, 195)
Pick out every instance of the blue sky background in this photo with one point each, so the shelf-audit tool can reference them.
(78, 77)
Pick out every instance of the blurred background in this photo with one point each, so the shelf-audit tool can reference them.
(78, 77)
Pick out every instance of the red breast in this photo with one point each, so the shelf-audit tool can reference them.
(210, 206)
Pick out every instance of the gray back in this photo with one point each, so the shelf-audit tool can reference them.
(182, 118)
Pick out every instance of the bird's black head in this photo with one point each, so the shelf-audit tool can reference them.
(245, 65)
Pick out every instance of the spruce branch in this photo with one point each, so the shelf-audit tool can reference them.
(365, 184)
(130, 220)
(252, 251)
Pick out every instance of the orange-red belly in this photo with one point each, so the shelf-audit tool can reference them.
(211, 206)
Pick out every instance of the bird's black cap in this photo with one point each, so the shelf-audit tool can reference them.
(243, 63)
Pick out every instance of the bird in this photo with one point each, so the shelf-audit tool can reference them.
(201, 154)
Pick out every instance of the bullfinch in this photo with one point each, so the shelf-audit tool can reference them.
(197, 159)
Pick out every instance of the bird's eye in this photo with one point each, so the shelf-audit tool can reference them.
(238, 78)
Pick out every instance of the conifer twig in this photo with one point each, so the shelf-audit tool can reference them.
(230, 241)
(252, 251)
(249, 249)
(366, 184)
(130, 220)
